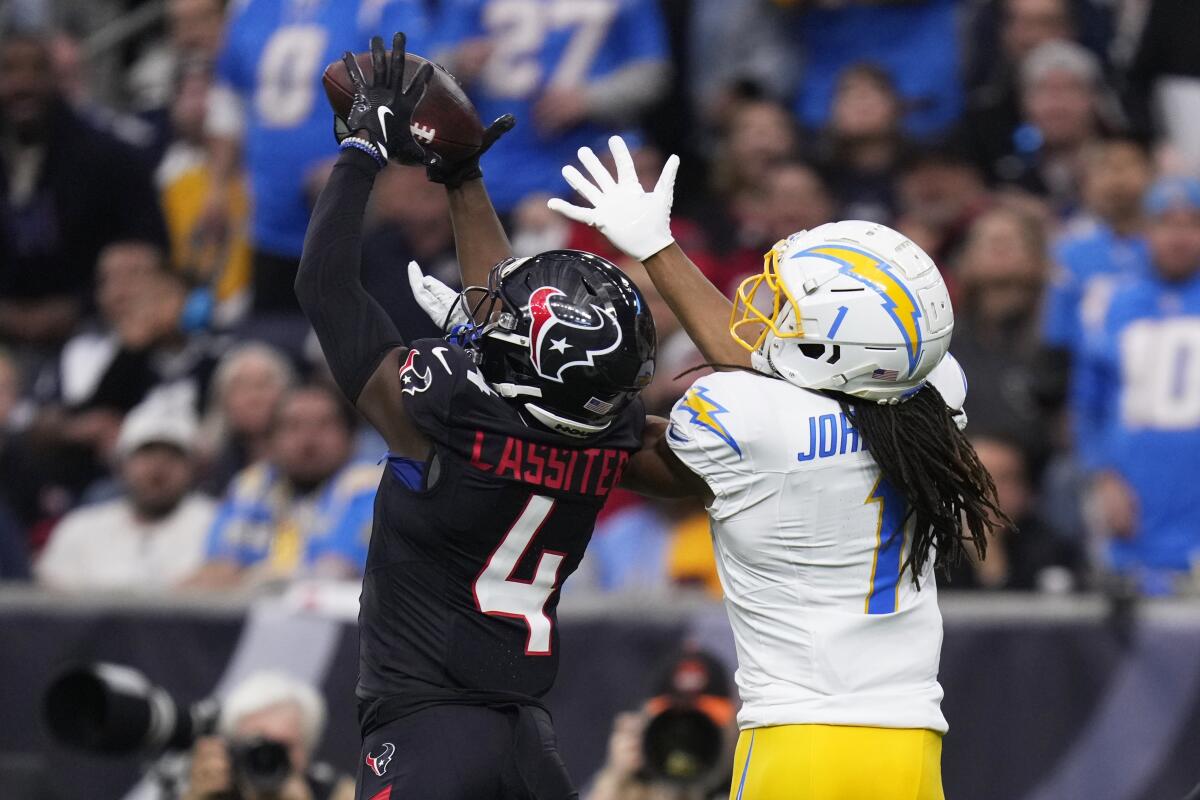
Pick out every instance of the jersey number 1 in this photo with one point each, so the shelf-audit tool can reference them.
(883, 596)
(498, 593)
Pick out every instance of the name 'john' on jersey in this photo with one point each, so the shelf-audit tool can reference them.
(465, 563)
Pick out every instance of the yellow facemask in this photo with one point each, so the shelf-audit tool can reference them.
(746, 313)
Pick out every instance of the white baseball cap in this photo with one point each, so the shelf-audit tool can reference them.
(157, 422)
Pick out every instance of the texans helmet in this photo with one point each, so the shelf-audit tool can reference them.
(564, 336)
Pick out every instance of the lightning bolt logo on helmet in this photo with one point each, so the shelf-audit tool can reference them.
(877, 275)
(563, 335)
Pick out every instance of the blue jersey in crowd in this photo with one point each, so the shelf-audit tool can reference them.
(539, 44)
(914, 42)
(1091, 260)
(274, 54)
(1137, 411)
(259, 521)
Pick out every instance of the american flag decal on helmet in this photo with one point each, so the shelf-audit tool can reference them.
(598, 406)
(885, 375)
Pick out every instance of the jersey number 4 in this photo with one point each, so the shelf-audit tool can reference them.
(499, 594)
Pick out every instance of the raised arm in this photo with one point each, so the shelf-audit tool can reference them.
(639, 223)
(358, 338)
(479, 237)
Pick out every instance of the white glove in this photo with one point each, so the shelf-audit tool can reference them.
(435, 298)
(635, 221)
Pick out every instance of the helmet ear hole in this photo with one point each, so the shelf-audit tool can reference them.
(812, 350)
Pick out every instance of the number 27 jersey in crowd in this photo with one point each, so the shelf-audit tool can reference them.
(463, 572)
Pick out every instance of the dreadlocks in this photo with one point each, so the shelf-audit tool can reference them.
(923, 454)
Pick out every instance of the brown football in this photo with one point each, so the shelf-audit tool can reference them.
(444, 121)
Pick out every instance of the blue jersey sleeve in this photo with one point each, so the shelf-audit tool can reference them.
(1095, 385)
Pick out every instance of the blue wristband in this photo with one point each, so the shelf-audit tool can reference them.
(362, 145)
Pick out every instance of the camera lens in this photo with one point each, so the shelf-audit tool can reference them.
(682, 745)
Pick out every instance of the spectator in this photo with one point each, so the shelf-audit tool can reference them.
(1065, 107)
(410, 221)
(1136, 402)
(863, 143)
(1164, 76)
(68, 190)
(1026, 556)
(105, 372)
(184, 178)
(150, 538)
(911, 40)
(20, 482)
(194, 29)
(266, 707)
(758, 136)
(571, 73)
(939, 195)
(1107, 243)
(652, 546)
(306, 510)
(268, 111)
(1001, 274)
(730, 45)
(793, 197)
(994, 106)
(248, 383)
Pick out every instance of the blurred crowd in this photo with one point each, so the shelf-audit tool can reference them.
(166, 420)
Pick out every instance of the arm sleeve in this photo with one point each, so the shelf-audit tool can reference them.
(354, 330)
(1093, 387)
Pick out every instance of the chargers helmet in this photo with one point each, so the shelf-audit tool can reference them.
(854, 307)
(564, 336)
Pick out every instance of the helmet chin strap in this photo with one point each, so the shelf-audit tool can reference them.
(563, 425)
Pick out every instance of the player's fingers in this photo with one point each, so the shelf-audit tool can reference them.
(420, 80)
(416, 278)
(666, 180)
(599, 173)
(356, 76)
(378, 62)
(399, 42)
(582, 185)
(501, 126)
(587, 216)
(626, 172)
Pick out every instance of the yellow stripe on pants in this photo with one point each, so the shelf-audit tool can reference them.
(837, 762)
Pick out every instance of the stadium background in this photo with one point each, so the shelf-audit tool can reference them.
(158, 159)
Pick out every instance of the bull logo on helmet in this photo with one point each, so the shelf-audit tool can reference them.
(563, 335)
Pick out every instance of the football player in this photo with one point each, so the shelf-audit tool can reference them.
(503, 446)
(836, 478)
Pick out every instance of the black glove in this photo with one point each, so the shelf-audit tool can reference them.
(384, 109)
(456, 174)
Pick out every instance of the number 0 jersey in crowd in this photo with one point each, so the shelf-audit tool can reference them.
(809, 542)
(466, 561)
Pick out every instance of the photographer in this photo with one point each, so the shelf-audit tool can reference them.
(679, 746)
(269, 726)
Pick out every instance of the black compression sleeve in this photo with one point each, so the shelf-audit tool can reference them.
(354, 330)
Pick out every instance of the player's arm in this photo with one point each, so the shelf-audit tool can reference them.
(358, 338)
(479, 238)
(657, 472)
(639, 223)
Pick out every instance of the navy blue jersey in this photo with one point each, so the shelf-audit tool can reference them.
(463, 574)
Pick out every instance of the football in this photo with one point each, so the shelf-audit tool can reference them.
(445, 120)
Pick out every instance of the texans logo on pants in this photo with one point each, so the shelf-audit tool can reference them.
(379, 763)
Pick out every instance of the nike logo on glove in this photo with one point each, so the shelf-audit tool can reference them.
(383, 112)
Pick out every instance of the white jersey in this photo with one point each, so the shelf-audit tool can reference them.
(809, 544)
